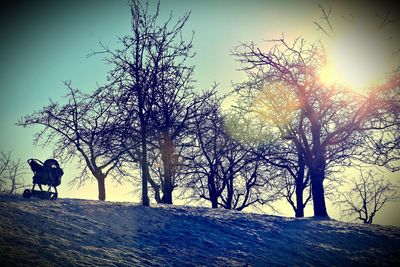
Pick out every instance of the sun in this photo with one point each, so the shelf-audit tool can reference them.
(357, 59)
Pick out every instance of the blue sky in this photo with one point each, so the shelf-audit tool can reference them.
(47, 42)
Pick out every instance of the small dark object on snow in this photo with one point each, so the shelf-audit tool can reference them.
(48, 173)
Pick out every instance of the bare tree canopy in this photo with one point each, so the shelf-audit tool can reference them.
(11, 172)
(224, 171)
(328, 123)
(82, 127)
(155, 94)
(368, 194)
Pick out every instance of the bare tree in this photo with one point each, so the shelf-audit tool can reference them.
(11, 172)
(204, 163)
(367, 196)
(173, 116)
(381, 143)
(381, 135)
(225, 171)
(153, 83)
(82, 127)
(277, 108)
(328, 119)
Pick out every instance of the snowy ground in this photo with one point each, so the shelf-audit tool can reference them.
(73, 232)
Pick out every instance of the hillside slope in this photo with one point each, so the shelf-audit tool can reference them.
(72, 232)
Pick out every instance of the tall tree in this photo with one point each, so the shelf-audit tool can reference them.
(174, 116)
(328, 118)
(153, 84)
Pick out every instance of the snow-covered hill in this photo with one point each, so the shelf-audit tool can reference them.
(72, 232)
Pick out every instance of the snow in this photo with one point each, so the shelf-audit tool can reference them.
(75, 232)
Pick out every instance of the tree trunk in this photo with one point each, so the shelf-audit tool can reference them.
(316, 167)
(317, 189)
(214, 202)
(167, 150)
(299, 211)
(102, 188)
(229, 197)
(156, 189)
(299, 200)
(167, 195)
(212, 191)
(145, 172)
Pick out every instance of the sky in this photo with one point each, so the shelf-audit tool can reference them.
(44, 43)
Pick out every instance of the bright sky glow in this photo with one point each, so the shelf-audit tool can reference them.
(358, 58)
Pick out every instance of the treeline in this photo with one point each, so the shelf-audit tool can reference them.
(285, 134)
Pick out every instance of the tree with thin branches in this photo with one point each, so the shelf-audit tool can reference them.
(154, 87)
(83, 128)
(329, 121)
(11, 172)
(367, 195)
(224, 170)
(277, 108)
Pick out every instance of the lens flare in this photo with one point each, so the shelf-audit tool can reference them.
(262, 118)
(276, 105)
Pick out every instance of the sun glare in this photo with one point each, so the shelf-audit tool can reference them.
(357, 59)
